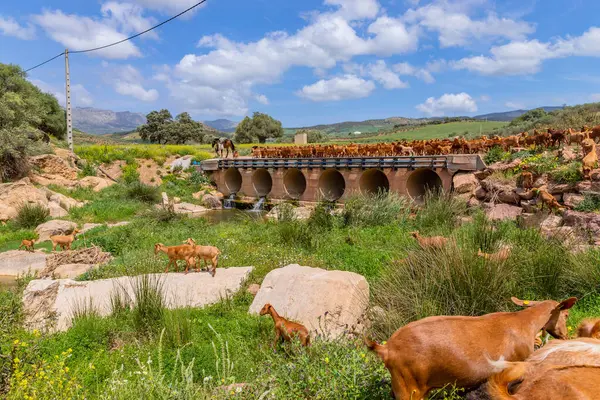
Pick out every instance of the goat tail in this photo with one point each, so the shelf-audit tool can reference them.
(499, 384)
(379, 349)
(232, 145)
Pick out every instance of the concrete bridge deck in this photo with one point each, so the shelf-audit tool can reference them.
(334, 179)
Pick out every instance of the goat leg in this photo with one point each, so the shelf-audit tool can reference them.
(277, 338)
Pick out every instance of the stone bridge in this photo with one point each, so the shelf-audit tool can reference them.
(334, 179)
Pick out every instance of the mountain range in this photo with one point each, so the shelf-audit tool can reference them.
(97, 122)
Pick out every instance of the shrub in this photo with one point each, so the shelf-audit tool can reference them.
(297, 233)
(31, 215)
(198, 178)
(15, 148)
(374, 209)
(439, 212)
(494, 155)
(590, 203)
(569, 173)
(149, 309)
(88, 169)
(130, 173)
(142, 192)
(321, 218)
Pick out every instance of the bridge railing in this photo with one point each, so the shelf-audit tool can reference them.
(402, 162)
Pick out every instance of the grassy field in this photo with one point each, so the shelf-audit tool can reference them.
(153, 353)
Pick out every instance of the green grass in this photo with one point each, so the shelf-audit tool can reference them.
(108, 153)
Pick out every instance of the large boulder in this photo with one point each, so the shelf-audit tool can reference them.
(328, 303)
(189, 209)
(464, 182)
(56, 211)
(54, 227)
(182, 163)
(497, 212)
(572, 200)
(299, 213)
(502, 192)
(51, 169)
(70, 271)
(588, 222)
(50, 304)
(95, 183)
(15, 194)
(18, 263)
(501, 166)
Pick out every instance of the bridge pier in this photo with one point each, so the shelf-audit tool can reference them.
(336, 179)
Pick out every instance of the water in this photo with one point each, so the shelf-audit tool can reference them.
(229, 203)
(232, 215)
(259, 206)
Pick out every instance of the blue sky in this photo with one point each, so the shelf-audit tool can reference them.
(313, 61)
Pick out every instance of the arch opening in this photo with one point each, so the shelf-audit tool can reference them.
(332, 185)
(262, 182)
(373, 181)
(233, 180)
(294, 183)
(421, 181)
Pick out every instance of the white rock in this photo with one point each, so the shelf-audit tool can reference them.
(88, 227)
(56, 211)
(70, 271)
(464, 182)
(551, 222)
(183, 162)
(300, 213)
(49, 304)
(15, 194)
(95, 183)
(54, 227)
(117, 224)
(329, 303)
(503, 211)
(191, 210)
(16, 262)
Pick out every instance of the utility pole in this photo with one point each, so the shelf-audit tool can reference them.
(68, 105)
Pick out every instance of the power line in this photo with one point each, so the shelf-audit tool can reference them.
(124, 40)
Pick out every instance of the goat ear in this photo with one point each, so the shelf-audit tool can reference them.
(568, 303)
(521, 303)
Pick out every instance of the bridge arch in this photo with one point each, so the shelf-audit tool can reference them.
(421, 181)
(332, 185)
(294, 183)
(373, 181)
(262, 182)
(233, 180)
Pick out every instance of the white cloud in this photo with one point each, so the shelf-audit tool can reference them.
(80, 33)
(128, 81)
(262, 99)
(514, 105)
(80, 97)
(128, 17)
(380, 72)
(527, 57)
(168, 6)
(456, 28)
(448, 103)
(485, 98)
(338, 88)
(10, 27)
(420, 73)
(356, 9)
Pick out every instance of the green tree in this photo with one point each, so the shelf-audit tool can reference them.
(161, 128)
(529, 116)
(258, 128)
(188, 129)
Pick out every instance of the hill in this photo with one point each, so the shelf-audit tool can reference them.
(510, 115)
(223, 125)
(97, 121)
(368, 126)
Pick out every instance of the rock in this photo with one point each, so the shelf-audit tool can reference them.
(70, 271)
(465, 197)
(481, 175)
(480, 193)
(253, 289)
(464, 182)
(88, 227)
(503, 211)
(54, 166)
(567, 154)
(528, 220)
(54, 227)
(184, 163)
(595, 175)
(503, 166)
(56, 211)
(589, 222)
(17, 263)
(502, 192)
(509, 197)
(529, 206)
(561, 188)
(565, 234)
(63, 201)
(473, 203)
(15, 194)
(95, 183)
(329, 303)
(551, 222)
(176, 200)
(165, 199)
(299, 213)
(191, 210)
(211, 201)
(541, 181)
(117, 224)
(572, 200)
(49, 304)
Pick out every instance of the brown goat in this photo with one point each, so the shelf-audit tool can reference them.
(526, 180)
(64, 241)
(433, 241)
(285, 329)
(205, 253)
(590, 161)
(500, 256)
(183, 252)
(437, 351)
(589, 328)
(28, 244)
(546, 198)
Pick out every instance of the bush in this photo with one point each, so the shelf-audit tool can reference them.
(439, 212)
(198, 178)
(494, 155)
(143, 192)
(569, 173)
(31, 215)
(130, 173)
(374, 209)
(88, 169)
(14, 150)
(590, 203)
(149, 309)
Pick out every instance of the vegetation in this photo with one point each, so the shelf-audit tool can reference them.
(162, 129)
(99, 154)
(258, 128)
(31, 215)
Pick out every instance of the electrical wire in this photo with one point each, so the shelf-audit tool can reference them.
(124, 40)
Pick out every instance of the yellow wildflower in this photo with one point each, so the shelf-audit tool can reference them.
(36, 333)
(16, 342)
(327, 360)
(16, 360)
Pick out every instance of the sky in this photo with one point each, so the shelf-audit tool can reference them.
(312, 61)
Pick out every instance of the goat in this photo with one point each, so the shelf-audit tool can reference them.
(205, 253)
(589, 328)
(28, 244)
(590, 161)
(183, 252)
(285, 329)
(433, 241)
(546, 198)
(64, 241)
(500, 256)
(526, 180)
(437, 351)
